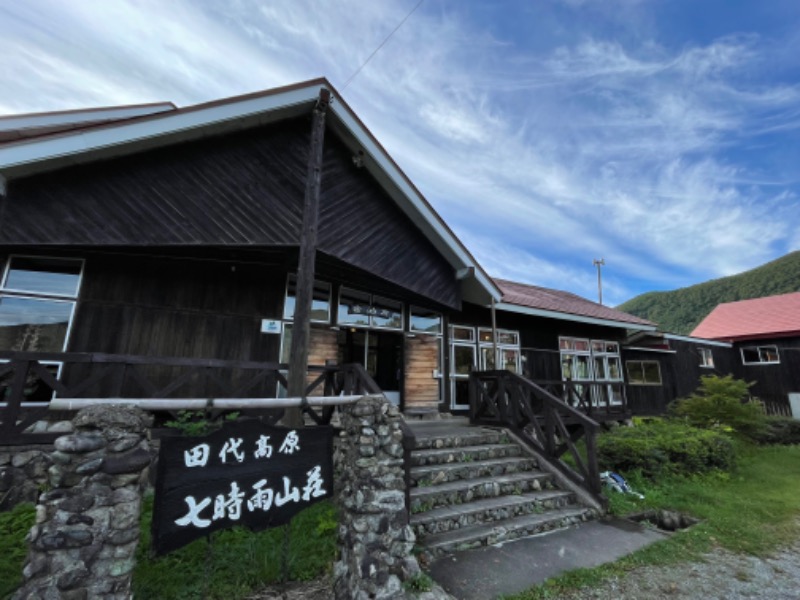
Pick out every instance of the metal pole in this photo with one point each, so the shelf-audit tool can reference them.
(494, 336)
(599, 264)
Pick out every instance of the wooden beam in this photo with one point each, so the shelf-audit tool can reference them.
(304, 296)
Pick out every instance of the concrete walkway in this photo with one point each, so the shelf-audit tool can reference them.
(492, 571)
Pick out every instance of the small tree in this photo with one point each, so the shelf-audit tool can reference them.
(722, 402)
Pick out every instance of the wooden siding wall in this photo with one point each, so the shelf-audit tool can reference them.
(421, 360)
(237, 190)
(184, 308)
(143, 305)
(361, 225)
(773, 382)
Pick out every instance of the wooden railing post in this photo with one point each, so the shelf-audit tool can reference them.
(546, 422)
(14, 396)
(593, 475)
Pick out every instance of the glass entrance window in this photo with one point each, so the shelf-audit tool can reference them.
(361, 309)
(37, 301)
(353, 308)
(33, 324)
(463, 359)
(387, 314)
(320, 304)
(425, 321)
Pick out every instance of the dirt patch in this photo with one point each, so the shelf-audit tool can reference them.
(665, 520)
(318, 589)
(721, 575)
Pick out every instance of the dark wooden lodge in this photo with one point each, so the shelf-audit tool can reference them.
(662, 367)
(154, 251)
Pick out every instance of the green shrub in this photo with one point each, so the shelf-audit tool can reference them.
(722, 402)
(665, 448)
(779, 430)
(14, 525)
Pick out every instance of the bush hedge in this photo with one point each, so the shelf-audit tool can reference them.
(779, 430)
(665, 448)
(722, 402)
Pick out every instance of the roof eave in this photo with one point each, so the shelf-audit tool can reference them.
(552, 314)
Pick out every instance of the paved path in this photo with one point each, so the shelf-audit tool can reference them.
(491, 571)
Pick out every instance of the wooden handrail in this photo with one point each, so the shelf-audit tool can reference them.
(544, 421)
(128, 376)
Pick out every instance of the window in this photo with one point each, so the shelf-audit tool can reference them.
(462, 334)
(37, 301)
(361, 309)
(643, 372)
(753, 355)
(425, 321)
(508, 352)
(706, 358)
(320, 305)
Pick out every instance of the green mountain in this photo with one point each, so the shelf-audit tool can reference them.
(681, 310)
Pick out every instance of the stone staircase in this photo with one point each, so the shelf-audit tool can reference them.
(473, 486)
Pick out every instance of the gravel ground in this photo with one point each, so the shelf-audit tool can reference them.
(722, 575)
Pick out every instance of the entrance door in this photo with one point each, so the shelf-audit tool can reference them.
(380, 353)
(463, 360)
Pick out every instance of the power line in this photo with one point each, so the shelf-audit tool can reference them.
(382, 44)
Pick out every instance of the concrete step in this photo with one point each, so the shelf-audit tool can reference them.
(440, 456)
(475, 436)
(487, 510)
(435, 474)
(509, 529)
(466, 490)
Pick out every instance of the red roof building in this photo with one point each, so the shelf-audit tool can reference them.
(758, 318)
(547, 302)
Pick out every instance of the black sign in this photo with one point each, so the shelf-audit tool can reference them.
(246, 473)
(372, 311)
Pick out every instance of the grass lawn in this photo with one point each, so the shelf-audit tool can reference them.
(237, 563)
(14, 526)
(754, 509)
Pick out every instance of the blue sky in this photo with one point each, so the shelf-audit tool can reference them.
(661, 135)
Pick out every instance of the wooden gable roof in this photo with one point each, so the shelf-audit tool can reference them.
(140, 138)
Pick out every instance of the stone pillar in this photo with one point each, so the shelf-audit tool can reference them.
(87, 526)
(375, 540)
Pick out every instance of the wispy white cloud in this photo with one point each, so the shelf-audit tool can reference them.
(542, 152)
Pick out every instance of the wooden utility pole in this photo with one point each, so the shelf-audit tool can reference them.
(304, 294)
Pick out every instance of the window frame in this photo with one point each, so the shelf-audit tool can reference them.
(706, 358)
(290, 318)
(418, 309)
(370, 319)
(641, 364)
(40, 296)
(759, 350)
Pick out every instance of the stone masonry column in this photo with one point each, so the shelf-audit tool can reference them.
(375, 540)
(84, 541)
